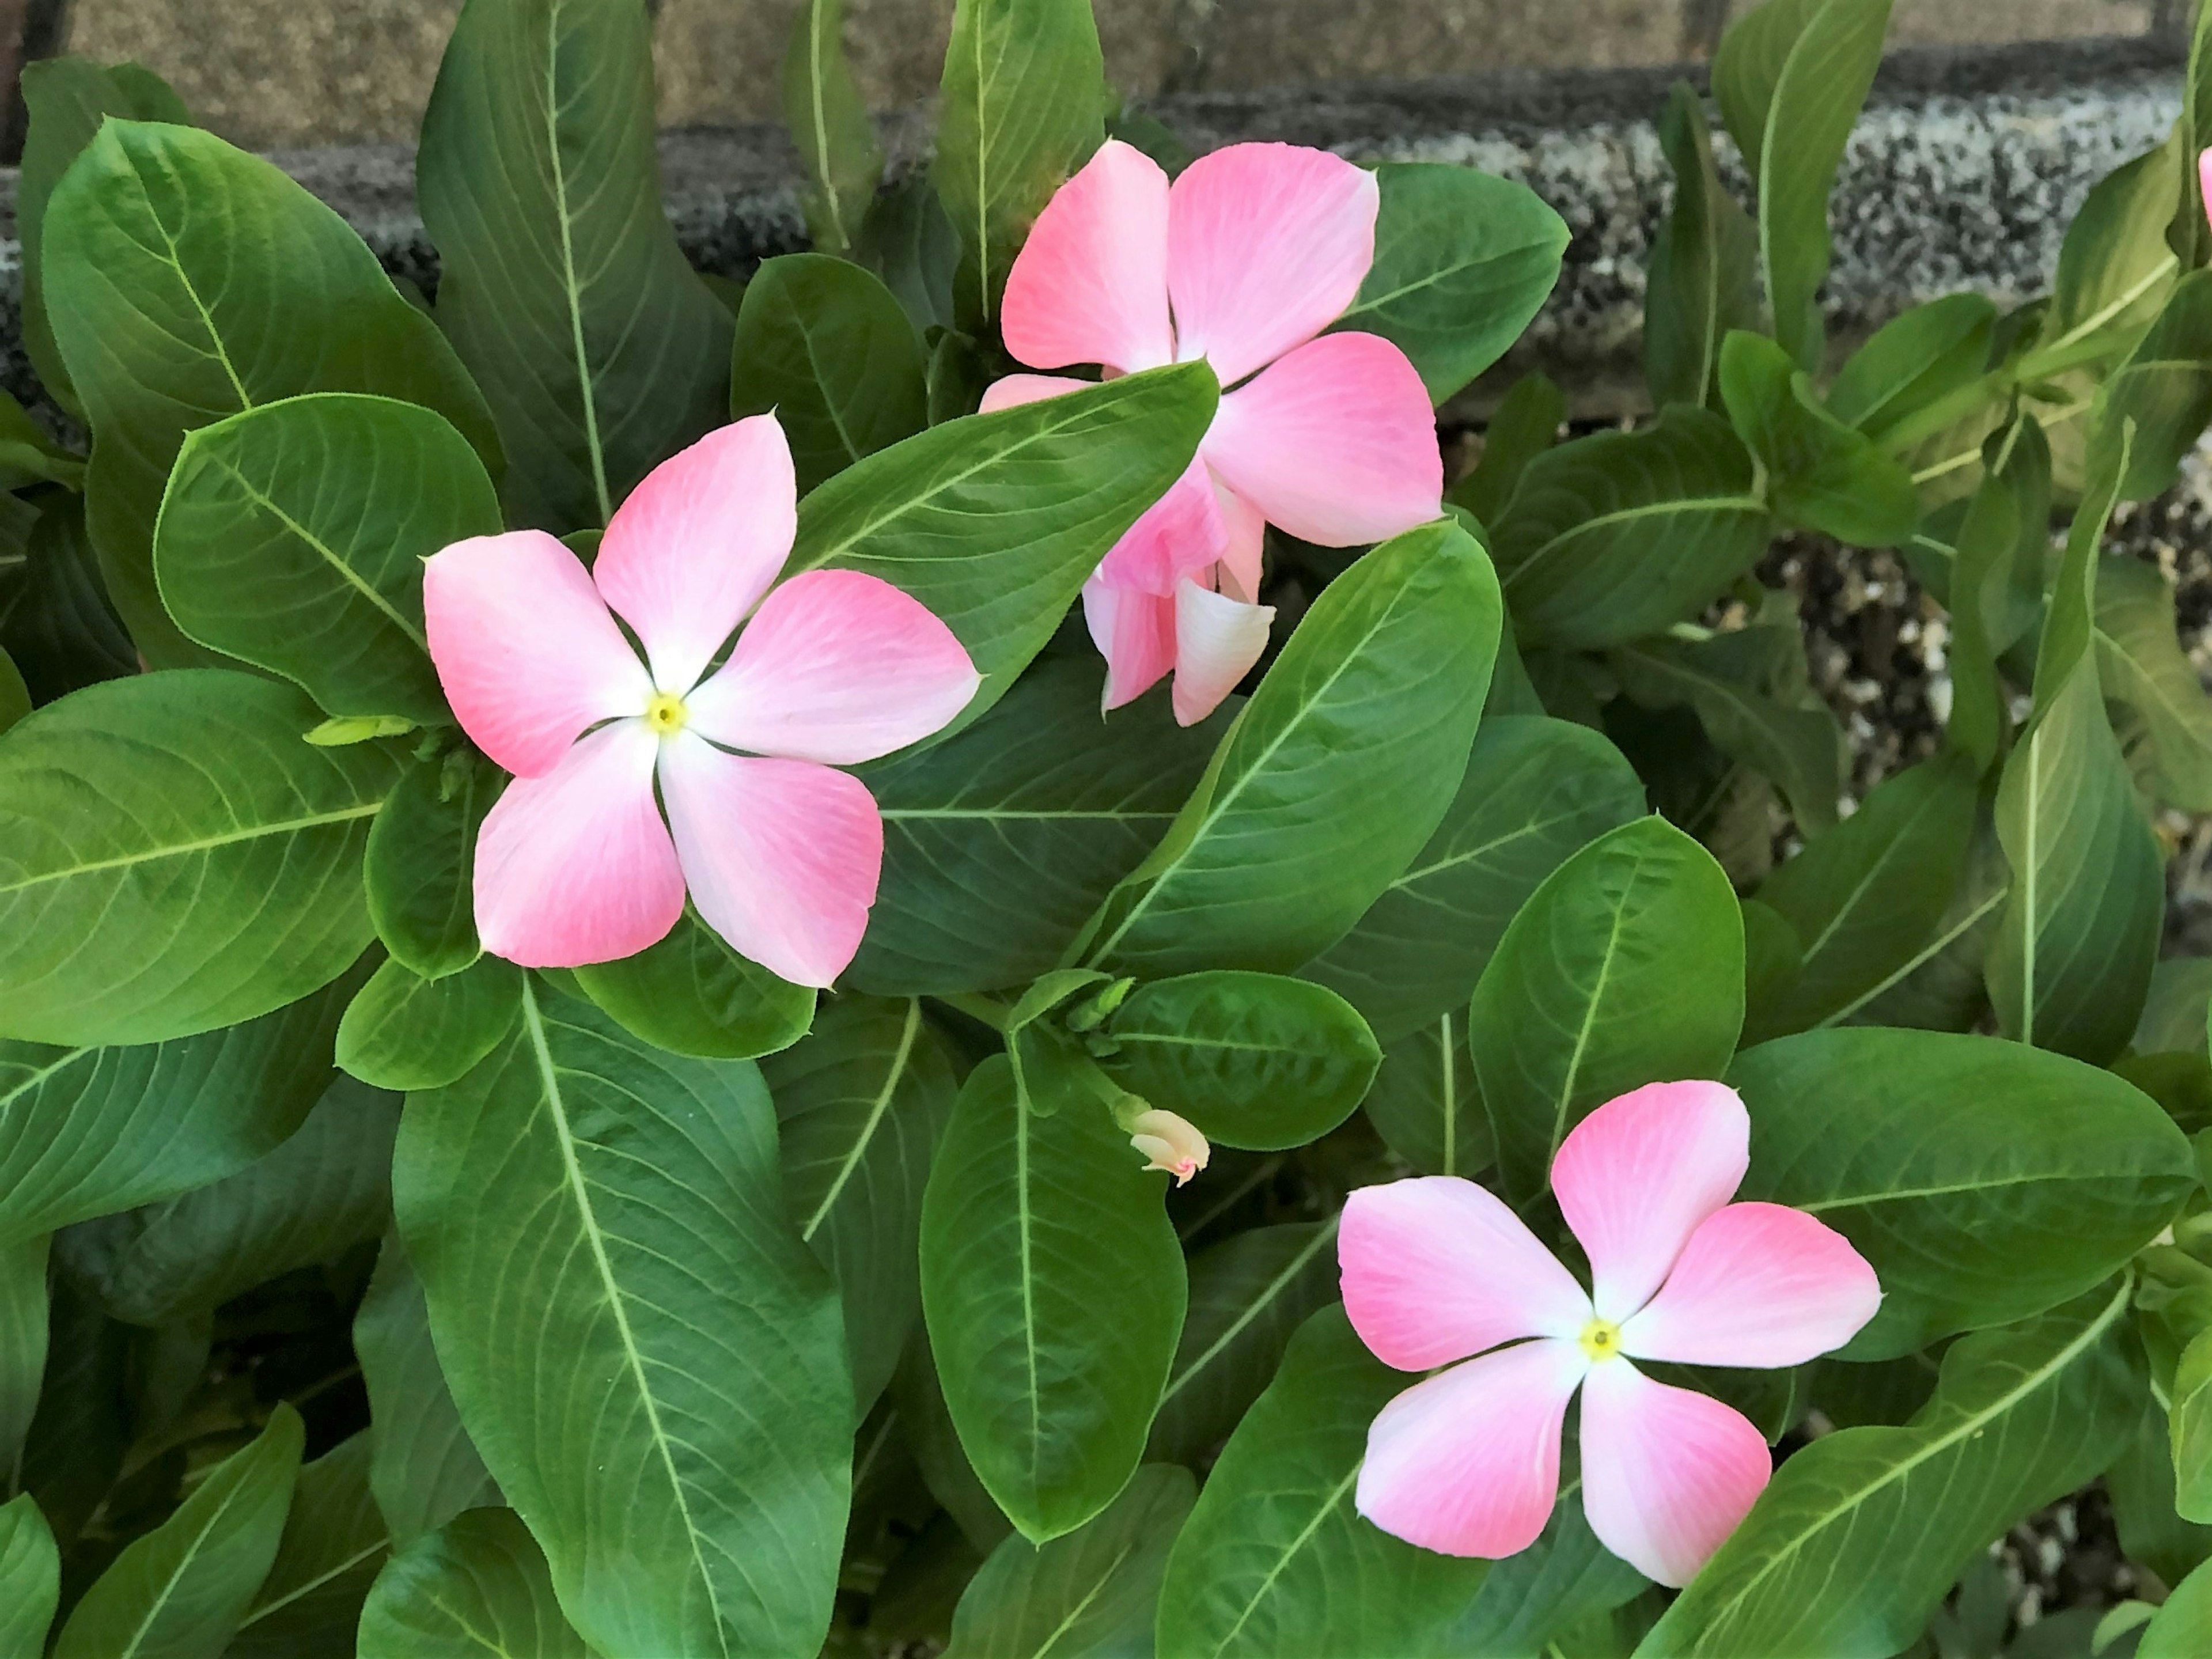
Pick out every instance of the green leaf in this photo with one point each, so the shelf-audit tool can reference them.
(333, 1546)
(825, 346)
(1625, 967)
(692, 995)
(1093, 1592)
(1861, 1533)
(2151, 1531)
(926, 1425)
(180, 1591)
(1253, 1059)
(30, 1578)
(999, 843)
(560, 281)
(2188, 1428)
(57, 623)
(1985, 1182)
(2141, 664)
(1704, 278)
(1273, 1561)
(402, 1031)
(907, 240)
(1425, 1105)
(1463, 262)
(1054, 1289)
(1335, 773)
(421, 858)
(994, 521)
(1821, 474)
(1564, 1577)
(478, 1588)
(2164, 387)
(828, 121)
(860, 1104)
(188, 281)
(1525, 424)
(2180, 1626)
(1995, 586)
(172, 858)
(1619, 535)
(646, 1357)
(29, 455)
(1930, 355)
(293, 536)
(14, 695)
(23, 1341)
(1021, 106)
(2115, 268)
(1537, 790)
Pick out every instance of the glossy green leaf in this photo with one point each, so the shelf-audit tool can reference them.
(1625, 968)
(2115, 268)
(2141, 664)
(401, 1031)
(421, 862)
(1821, 474)
(1054, 1292)
(23, 1340)
(1333, 775)
(662, 1395)
(1425, 1104)
(2164, 387)
(333, 1546)
(560, 278)
(1985, 1182)
(30, 454)
(1563, 1579)
(823, 106)
(1525, 424)
(30, 1578)
(1703, 279)
(1995, 582)
(2188, 1428)
(1929, 356)
(2183, 1625)
(292, 536)
(172, 858)
(926, 1425)
(907, 240)
(692, 995)
(478, 1588)
(55, 619)
(2140, 1484)
(14, 695)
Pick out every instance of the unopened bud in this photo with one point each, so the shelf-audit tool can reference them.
(1171, 1143)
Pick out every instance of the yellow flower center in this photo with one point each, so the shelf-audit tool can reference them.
(1600, 1340)
(665, 713)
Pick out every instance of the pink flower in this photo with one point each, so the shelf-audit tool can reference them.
(1438, 1269)
(780, 851)
(1254, 249)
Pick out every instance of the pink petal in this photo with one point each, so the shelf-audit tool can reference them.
(1467, 1463)
(1136, 632)
(836, 666)
(1637, 1175)
(1758, 1285)
(1437, 1268)
(1217, 639)
(2204, 181)
(1177, 536)
(1336, 443)
(782, 856)
(1267, 244)
(525, 648)
(1015, 389)
(577, 867)
(1247, 532)
(1668, 1473)
(1091, 285)
(697, 543)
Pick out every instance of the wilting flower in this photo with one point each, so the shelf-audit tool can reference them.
(1169, 1142)
(1438, 1269)
(1243, 261)
(780, 850)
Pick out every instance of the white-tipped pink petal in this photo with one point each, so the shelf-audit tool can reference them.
(1267, 245)
(1437, 1268)
(694, 546)
(837, 666)
(1012, 391)
(1091, 284)
(1668, 1473)
(525, 648)
(1467, 1463)
(1758, 1285)
(1245, 533)
(1177, 536)
(577, 867)
(781, 856)
(1217, 639)
(1635, 1177)
(1136, 632)
(1336, 443)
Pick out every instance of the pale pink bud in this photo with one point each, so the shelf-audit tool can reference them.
(1171, 1143)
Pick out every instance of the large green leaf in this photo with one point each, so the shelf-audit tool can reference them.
(644, 1354)
(1985, 1182)
(560, 281)
(823, 106)
(30, 1578)
(1537, 790)
(180, 1591)
(860, 1105)
(333, 1546)
(1931, 356)
(2141, 663)
(2183, 1622)
(55, 619)
(1054, 1288)
(175, 858)
(2188, 1428)
(1425, 1104)
(1525, 423)
(421, 862)
(1333, 775)
(2164, 387)
(188, 281)
(1564, 1577)
(1703, 277)
(1821, 475)
(691, 994)
(478, 1588)
(2115, 268)
(23, 1340)
(1625, 967)
(1273, 1561)
(402, 1031)
(1862, 1533)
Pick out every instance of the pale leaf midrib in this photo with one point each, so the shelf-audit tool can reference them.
(1273, 1288)
(1321, 1513)
(862, 1142)
(208, 843)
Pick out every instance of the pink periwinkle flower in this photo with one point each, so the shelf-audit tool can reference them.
(1438, 1269)
(780, 850)
(1244, 260)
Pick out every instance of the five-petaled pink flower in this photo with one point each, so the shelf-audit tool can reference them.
(1438, 1269)
(1243, 261)
(780, 850)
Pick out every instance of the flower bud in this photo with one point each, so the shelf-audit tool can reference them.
(1171, 1143)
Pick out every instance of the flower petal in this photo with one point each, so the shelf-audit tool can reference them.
(1217, 639)
(1012, 391)
(1177, 536)
(1267, 244)
(525, 648)
(1336, 443)
(782, 856)
(1247, 533)
(577, 867)
(837, 666)
(694, 546)
(1136, 632)
(1758, 1285)
(1467, 1463)
(1437, 1268)
(1668, 1473)
(1637, 1175)
(1091, 284)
